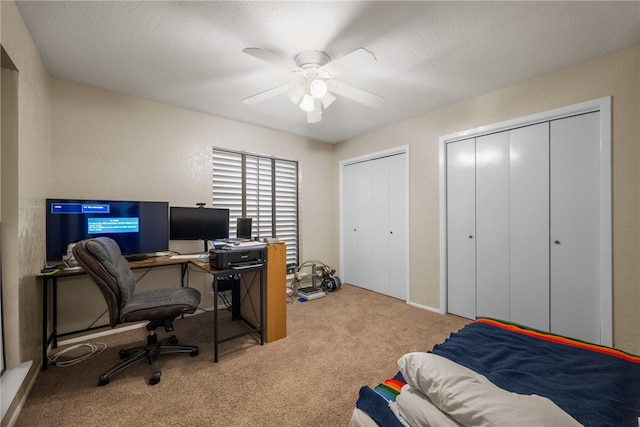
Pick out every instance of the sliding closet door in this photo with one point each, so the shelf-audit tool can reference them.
(461, 212)
(492, 225)
(529, 226)
(575, 227)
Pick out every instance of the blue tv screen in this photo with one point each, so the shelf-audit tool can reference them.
(138, 227)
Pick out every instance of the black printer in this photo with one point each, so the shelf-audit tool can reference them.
(236, 258)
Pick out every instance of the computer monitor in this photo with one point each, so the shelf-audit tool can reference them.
(199, 223)
(138, 227)
(243, 228)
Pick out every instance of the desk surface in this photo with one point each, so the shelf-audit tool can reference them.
(157, 261)
(150, 262)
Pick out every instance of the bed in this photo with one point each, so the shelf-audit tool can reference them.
(503, 374)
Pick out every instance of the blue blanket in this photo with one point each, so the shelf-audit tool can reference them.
(597, 389)
(377, 406)
(595, 385)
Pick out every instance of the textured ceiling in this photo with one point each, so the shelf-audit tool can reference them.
(429, 54)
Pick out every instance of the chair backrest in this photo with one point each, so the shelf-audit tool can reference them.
(102, 260)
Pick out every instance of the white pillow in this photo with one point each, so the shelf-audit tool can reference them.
(472, 400)
(415, 409)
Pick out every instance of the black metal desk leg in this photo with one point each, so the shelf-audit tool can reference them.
(262, 306)
(54, 320)
(45, 314)
(215, 317)
(46, 338)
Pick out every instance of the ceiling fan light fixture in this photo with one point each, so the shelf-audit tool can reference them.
(307, 103)
(327, 100)
(318, 88)
(314, 116)
(315, 88)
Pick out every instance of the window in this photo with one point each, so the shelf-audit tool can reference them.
(262, 188)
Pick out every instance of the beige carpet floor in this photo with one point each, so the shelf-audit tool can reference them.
(334, 345)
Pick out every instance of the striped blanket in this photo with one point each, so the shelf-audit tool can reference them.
(596, 385)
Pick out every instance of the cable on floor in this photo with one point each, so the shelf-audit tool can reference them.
(93, 349)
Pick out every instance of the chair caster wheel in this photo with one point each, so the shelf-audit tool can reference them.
(173, 341)
(154, 379)
(103, 381)
(194, 353)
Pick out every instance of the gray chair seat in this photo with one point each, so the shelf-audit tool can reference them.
(159, 303)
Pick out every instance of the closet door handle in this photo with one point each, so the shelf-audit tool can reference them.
(470, 236)
(557, 242)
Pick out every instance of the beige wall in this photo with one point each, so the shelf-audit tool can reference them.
(615, 75)
(29, 181)
(24, 184)
(110, 146)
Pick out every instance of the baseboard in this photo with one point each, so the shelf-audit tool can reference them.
(99, 334)
(425, 307)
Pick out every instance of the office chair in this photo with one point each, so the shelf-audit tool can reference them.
(102, 261)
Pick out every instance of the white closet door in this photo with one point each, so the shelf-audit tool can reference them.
(492, 225)
(378, 236)
(461, 212)
(397, 226)
(575, 227)
(366, 226)
(529, 226)
(374, 194)
(350, 194)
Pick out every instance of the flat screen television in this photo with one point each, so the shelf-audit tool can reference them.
(199, 223)
(138, 227)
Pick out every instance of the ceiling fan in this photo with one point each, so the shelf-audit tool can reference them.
(315, 85)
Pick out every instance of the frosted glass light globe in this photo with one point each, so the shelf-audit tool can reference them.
(318, 88)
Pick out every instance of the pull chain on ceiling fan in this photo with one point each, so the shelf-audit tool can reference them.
(313, 91)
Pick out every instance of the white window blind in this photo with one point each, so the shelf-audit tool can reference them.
(262, 188)
(286, 200)
(259, 195)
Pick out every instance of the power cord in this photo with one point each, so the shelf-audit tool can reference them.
(93, 349)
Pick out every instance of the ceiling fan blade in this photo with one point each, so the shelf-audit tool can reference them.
(266, 94)
(266, 56)
(358, 59)
(359, 95)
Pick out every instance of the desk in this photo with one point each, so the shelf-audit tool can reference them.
(51, 281)
(255, 325)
